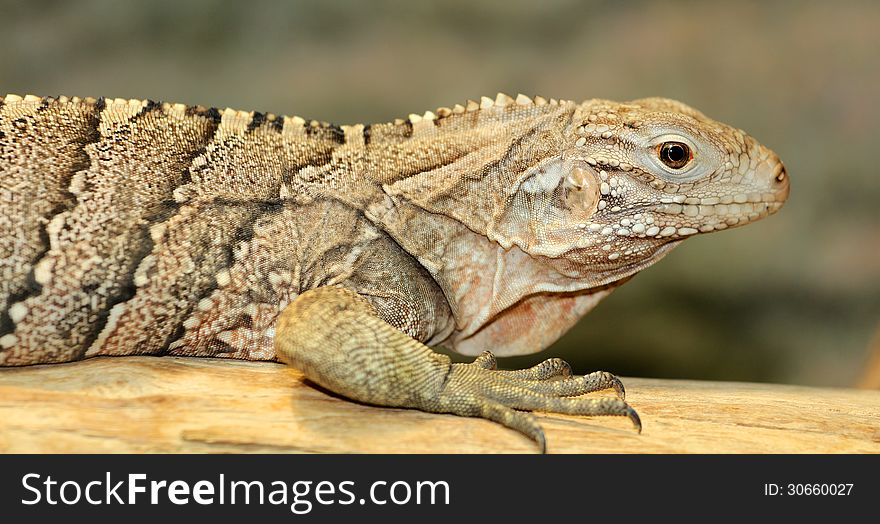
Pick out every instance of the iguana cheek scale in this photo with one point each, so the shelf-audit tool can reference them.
(137, 227)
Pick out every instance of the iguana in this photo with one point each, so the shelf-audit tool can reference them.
(135, 227)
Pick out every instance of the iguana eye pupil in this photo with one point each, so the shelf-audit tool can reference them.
(675, 154)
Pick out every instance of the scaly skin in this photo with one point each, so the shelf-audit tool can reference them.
(132, 227)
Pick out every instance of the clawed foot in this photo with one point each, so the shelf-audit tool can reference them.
(336, 338)
(478, 389)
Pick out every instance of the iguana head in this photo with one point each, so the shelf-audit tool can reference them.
(528, 212)
(634, 178)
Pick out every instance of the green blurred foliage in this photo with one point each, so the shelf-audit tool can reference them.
(793, 298)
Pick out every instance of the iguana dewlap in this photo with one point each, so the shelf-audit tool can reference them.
(135, 227)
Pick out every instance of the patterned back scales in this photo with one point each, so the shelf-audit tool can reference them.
(137, 227)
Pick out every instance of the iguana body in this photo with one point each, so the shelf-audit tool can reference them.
(132, 227)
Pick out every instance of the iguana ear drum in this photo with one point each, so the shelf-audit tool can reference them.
(580, 191)
(550, 207)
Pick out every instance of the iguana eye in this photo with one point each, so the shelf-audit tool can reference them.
(675, 154)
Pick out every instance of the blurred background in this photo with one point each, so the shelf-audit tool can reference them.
(794, 298)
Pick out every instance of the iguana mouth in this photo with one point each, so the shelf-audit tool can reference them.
(714, 212)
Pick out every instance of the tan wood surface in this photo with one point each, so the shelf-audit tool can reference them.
(149, 404)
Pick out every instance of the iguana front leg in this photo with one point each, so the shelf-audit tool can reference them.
(337, 339)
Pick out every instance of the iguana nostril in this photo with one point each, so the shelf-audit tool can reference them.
(781, 175)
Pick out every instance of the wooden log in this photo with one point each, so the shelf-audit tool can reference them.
(150, 404)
